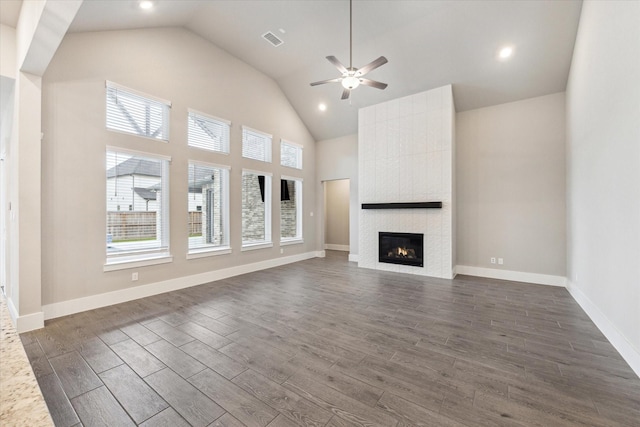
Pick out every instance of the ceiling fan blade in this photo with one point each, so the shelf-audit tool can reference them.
(321, 82)
(337, 64)
(345, 94)
(373, 83)
(371, 66)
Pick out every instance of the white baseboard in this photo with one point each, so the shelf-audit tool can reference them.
(515, 276)
(26, 323)
(320, 254)
(332, 247)
(354, 257)
(78, 305)
(617, 339)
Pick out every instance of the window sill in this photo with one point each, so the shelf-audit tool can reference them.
(255, 246)
(291, 242)
(207, 252)
(137, 261)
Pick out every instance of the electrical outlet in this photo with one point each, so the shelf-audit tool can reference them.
(500, 261)
(281, 250)
(134, 276)
(493, 260)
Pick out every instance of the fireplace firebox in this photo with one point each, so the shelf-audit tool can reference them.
(401, 248)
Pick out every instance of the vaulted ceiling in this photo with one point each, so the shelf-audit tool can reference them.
(429, 43)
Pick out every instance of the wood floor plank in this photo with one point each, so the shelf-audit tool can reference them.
(219, 362)
(233, 399)
(98, 355)
(136, 397)
(99, 408)
(187, 400)
(411, 414)
(39, 361)
(203, 334)
(183, 364)
(226, 420)
(138, 359)
(167, 418)
(338, 403)
(139, 334)
(169, 333)
(62, 413)
(75, 375)
(289, 403)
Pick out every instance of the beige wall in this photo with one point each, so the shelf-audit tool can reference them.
(179, 66)
(336, 212)
(510, 172)
(7, 51)
(338, 159)
(603, 176)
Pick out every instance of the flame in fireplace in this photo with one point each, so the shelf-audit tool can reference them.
(402, 252)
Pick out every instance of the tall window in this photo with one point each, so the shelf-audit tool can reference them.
(136, 113)
(290, 209)
(256, 145)
(208, 203)
(137, 205)
(208, 133)
(256, 209)
(290, 154)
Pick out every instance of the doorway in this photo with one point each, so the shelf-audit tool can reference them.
(336, 215)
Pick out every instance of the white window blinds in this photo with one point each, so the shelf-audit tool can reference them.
(136, 113)
(256, 145)
(208, 133)
(137, 204)
(290, 154)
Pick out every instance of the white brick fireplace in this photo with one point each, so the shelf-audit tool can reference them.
(406, 154)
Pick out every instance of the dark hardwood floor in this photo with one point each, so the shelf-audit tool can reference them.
(324, 343)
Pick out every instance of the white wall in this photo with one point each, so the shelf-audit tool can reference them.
(336, 211)
(172, 64)
(7, 51)
(407, 148)
(511, 186)
(603, 176)
(338, 159)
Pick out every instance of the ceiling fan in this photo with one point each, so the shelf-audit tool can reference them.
(353, 77)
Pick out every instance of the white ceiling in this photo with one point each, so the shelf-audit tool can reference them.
(429, 43)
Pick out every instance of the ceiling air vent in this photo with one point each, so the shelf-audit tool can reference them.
(272, 38)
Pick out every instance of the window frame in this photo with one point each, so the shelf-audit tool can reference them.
(207, 117)
(268, 149)
(166, 111)
(299, 154)
(299, 237)
(151, 256)
(225, 247)
(268, 207)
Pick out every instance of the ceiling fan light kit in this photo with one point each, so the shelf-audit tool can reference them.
(353, 77)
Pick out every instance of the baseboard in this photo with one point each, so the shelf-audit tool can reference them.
(332, 247)
(26, 323)
(320, 254)
(628, 352)
(65, 308)
(515, 276)
(354, 257)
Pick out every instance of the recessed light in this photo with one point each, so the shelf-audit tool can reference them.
(145, 4)
(505, 52)
(322, 107)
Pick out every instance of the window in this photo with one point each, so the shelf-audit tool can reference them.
(290, 154)
(290, 209)
(208, 203)
(137, 206)
(136, 113)
(256, 145)
(208, 133)
(256, 209)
